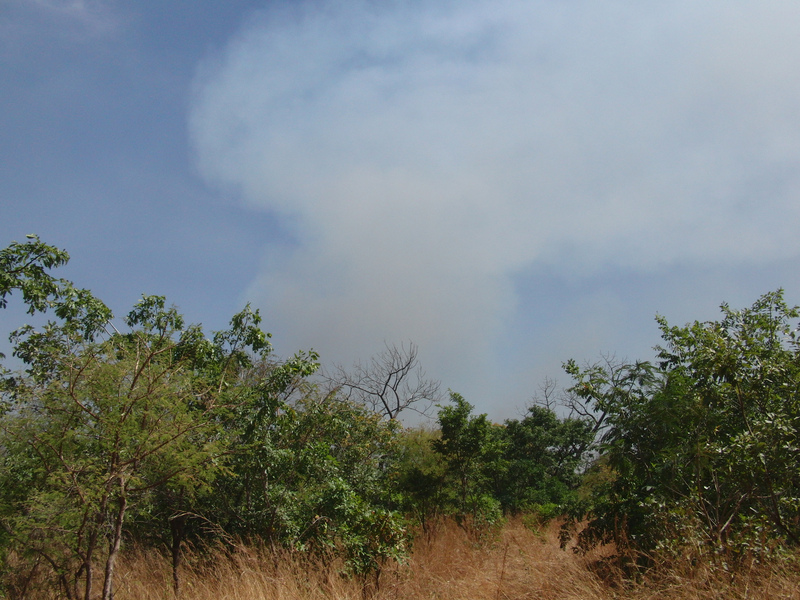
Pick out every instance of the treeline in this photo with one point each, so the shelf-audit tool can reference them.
(166, 435)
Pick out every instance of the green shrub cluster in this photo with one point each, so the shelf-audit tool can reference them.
(700, 452)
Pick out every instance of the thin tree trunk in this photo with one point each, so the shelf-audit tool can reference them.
(177, 526)
(116, 542)
(87, 567)
(91, 544)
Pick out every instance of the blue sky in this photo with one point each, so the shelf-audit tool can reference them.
(507, 184)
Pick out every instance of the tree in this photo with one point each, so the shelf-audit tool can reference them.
(543, 454)
(703, 447)
(638, 440)
(391, 383)
(97, 426)
(307, 474)
(223, 371)
(418, 477)
(153, 431)
(744, 371)
(471, 448)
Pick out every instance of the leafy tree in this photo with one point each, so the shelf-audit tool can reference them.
(703, 447)
(96, 427)
(744, 371)
(418, 477)
(543, 455)
(639, 444)
(24, 267)
(221, 377)
(471, 448)
(308, 472)
(160, 432)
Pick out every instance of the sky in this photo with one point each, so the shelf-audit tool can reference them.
(506, 184)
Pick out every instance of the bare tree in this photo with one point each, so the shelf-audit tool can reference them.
(549, 395)
(391, 382)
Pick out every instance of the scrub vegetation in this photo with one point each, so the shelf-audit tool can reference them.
(166, 461)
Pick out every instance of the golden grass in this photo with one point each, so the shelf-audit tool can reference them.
(518, 564)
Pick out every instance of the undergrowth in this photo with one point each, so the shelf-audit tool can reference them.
(447, 564)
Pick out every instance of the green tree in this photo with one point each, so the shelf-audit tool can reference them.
(307, 472)
(744, 371)
(642, 440)
(95, 427)
(703, 447)
(418, 477)
(159, 429)
(471, 447)
(543, 455)
(222, 377)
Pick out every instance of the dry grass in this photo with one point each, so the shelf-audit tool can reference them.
(519, 564)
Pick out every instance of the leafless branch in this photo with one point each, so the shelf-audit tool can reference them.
(391, 382)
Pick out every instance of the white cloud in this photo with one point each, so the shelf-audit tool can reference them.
(428, 153)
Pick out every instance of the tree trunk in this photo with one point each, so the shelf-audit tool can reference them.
(177, 526)
(114, 546)
(87, 566)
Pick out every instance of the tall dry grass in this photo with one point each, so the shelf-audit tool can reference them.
(517, 564)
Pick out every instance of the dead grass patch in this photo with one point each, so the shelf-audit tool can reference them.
(518, 564)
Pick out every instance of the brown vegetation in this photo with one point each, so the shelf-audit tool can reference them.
(517, 564)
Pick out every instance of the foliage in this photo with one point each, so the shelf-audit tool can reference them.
(471, 448)
(170, 437)
(306, 473)
(94, 428)
(24, 267)
(543, 456)
(705, 442)
(418, 477)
